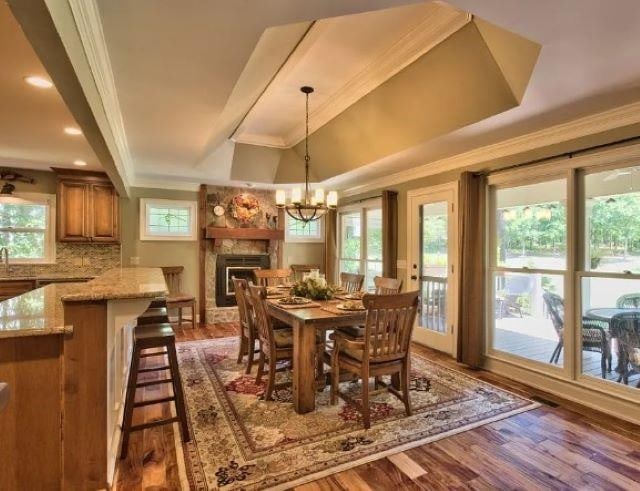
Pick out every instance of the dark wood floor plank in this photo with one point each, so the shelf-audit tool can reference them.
(547, 448)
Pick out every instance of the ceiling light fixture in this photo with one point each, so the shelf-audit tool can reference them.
(310, 206)
(72, 130)
(79, 163)
(40, 82)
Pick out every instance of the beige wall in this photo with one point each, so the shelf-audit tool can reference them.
(158, 253)
(304, 253)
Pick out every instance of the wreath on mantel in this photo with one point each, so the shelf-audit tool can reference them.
(245, 208)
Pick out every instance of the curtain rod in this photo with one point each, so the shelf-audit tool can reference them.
(565, 155)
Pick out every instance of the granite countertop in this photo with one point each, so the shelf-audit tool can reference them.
(121, 283)
(36, 313)
(49, 276)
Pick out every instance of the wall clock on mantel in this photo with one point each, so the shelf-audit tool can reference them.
(219, 211)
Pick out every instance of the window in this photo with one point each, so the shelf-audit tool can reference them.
(528, 270)
(610, 286)
(563, 285)
(360, 241)
(165, 219)
(297, 231)
(26, 228)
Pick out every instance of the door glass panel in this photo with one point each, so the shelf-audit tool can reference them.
(374, 247)
(528, 316)
(611, 329)
(531, 226)
(612, 221)
(350, 232)
(434, 265)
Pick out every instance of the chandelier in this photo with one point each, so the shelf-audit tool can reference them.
(310, 206)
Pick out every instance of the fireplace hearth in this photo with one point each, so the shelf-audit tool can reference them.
(240, 266)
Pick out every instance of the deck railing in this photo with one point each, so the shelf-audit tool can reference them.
(434, 303)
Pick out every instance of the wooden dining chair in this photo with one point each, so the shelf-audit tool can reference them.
(387, 286)
(275, 345)
(248, 335)
(271, 277)
(177, 299)
(299, 270)
(351, 282)
(384, 350)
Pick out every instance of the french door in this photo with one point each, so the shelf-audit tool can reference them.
(432, 248)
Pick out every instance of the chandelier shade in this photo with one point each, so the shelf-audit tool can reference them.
(305, 205)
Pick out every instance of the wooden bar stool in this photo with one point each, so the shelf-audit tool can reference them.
(153, 336)
(154, 315)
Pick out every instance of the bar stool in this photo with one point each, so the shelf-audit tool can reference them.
(154, 315)
(148, 336)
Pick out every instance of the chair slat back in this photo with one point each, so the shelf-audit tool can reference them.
(389, 324)
(351, 282)
(258, 299)
(173, 278)
(240, 290)
(387, 286)
(271, 277)
(300, 269)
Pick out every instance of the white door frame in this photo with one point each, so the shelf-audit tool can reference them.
(446, 342)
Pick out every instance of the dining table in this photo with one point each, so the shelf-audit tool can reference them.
(306, 321)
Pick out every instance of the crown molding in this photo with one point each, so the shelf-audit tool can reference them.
(86, 15)
(596, 123)
(435, 28)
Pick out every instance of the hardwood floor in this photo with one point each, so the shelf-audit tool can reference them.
(566, 446)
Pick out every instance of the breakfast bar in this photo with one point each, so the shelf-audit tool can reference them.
(64, 352)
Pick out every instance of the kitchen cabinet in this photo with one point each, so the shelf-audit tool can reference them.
(87, 207)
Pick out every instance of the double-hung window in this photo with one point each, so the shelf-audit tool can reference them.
(26, 228)
(563, 283)
(360, 240)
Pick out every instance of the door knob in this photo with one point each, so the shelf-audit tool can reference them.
(414, 277)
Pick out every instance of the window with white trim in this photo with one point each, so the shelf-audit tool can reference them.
(26, 228)
(297, 231)
(167, 219)
(360, 240)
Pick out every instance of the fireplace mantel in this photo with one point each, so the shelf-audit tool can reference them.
(244, 233)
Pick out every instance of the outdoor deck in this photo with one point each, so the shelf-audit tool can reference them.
(535, 340)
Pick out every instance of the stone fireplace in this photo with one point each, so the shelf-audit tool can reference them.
(229, 266)
(229, 241)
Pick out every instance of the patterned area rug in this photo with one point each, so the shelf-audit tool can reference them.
(241, 441)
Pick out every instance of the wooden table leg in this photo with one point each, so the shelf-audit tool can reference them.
(304, 381)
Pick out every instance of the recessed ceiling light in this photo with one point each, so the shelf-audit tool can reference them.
(79, 163)
(70, 130)
(40, 82)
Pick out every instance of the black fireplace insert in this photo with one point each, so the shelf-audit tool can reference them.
(240, 266)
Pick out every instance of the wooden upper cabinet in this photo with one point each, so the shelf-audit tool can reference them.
(87, 208)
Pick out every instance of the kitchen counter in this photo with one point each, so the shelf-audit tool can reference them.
(36, 313)
(47, 277)
(121, 283)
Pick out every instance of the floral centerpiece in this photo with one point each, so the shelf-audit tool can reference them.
(313, 287)
(245, 208)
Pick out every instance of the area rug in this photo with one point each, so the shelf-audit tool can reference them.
(242, 442)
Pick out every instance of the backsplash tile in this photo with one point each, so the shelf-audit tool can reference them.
(100, 257)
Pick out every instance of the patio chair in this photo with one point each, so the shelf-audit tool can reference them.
(629, 301)
(625, 327)
(594, 335)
